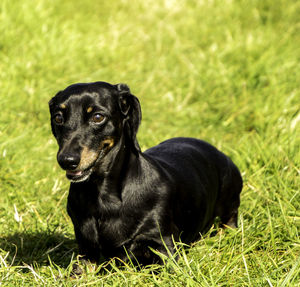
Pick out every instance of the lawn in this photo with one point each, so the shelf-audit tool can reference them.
(225, 71)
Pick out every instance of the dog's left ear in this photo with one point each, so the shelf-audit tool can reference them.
(131, 109)
(51, 106)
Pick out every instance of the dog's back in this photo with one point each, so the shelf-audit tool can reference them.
(205, 180)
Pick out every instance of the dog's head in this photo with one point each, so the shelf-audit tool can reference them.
(88, 120)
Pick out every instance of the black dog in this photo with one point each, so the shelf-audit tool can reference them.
(123, 201)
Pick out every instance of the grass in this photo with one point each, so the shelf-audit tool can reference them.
(224, 71)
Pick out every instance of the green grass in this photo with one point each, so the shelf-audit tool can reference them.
(224, 71)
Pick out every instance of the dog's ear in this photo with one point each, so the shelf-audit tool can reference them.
(51, 106)
(131, 109)
(53, 100)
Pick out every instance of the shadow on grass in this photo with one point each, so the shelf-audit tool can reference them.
(42, 248)
(37, 247)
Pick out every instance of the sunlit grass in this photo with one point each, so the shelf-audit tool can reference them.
(224, 71)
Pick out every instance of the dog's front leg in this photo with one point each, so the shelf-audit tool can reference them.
(89, 253)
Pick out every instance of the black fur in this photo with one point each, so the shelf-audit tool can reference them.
(122, 201)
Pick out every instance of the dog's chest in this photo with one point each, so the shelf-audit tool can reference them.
(98, 221)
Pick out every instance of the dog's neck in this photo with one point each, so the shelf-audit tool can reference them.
(115, 167)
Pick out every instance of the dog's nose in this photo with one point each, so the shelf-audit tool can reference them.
(68, 161)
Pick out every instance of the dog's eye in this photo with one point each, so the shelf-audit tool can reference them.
(97, 118)
(58, 119)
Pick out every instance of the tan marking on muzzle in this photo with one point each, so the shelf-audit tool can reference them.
(62, 106)
(87, 158)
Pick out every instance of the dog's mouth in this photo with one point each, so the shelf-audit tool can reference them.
(83, 175)
(91, 159)
(78, 175)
